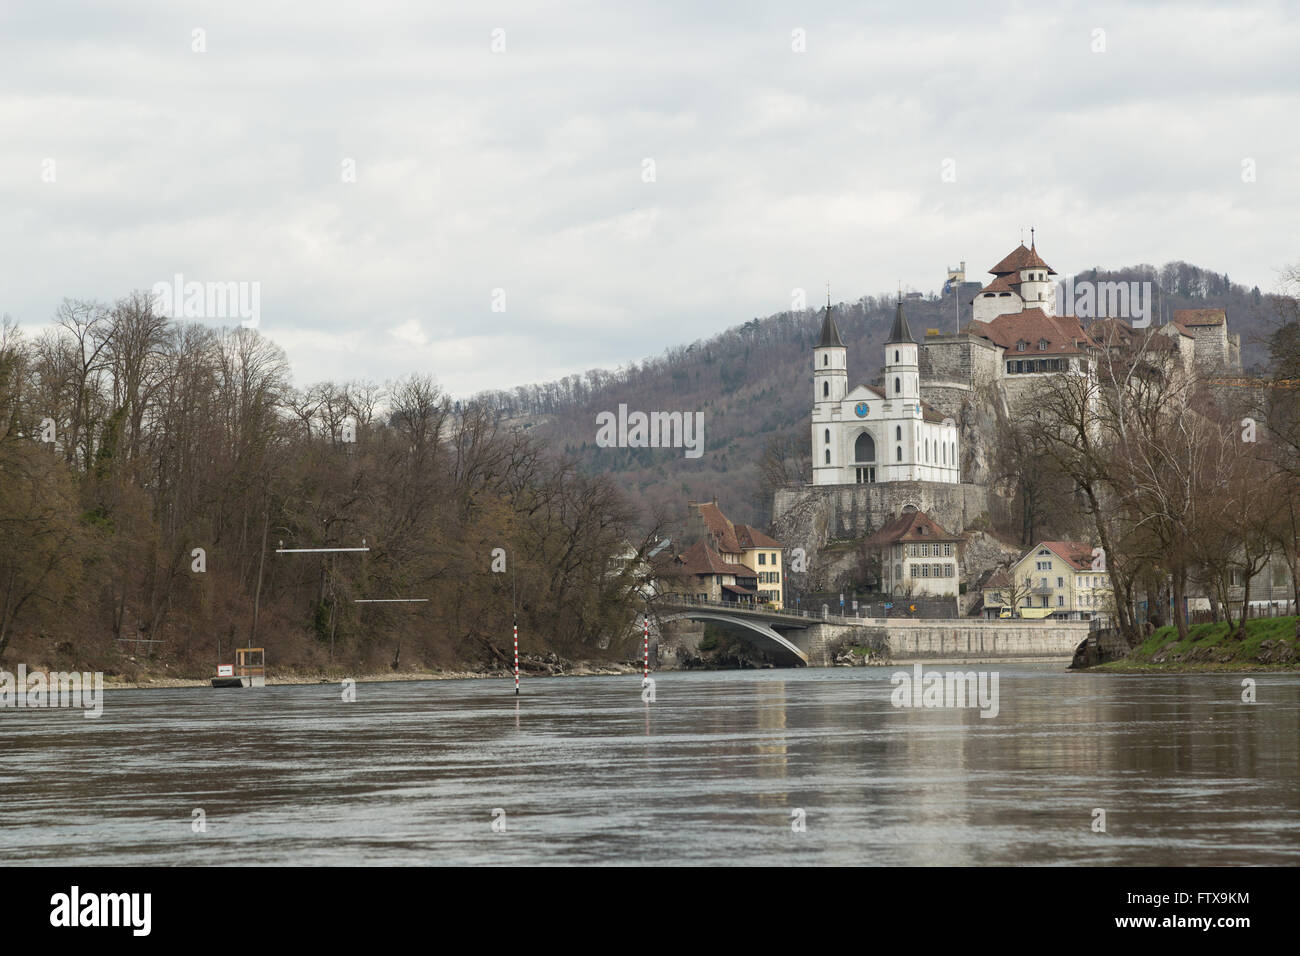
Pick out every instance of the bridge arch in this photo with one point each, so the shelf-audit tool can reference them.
(756, 627)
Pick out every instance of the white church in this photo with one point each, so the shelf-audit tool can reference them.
(877, 435)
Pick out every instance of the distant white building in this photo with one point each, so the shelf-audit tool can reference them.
(877, 435)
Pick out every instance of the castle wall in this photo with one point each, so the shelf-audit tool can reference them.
(959, 359)
(1212, 352)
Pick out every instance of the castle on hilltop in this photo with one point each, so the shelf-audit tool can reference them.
(922, 438)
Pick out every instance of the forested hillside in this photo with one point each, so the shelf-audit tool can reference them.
(754, 384)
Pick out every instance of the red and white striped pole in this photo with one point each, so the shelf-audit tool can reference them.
(646, 674)
(516, 657)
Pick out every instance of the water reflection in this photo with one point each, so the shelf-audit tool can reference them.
(709, 772)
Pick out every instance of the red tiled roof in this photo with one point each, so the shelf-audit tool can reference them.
(753, 538)
(728, 537)
(911, 526)
(1021, 258)
(1003, 283)
(699, 558)
(1200, 316)
(723, 531)
(1064, 334)
(1075, 553)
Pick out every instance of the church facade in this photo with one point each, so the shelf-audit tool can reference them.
(871, 435)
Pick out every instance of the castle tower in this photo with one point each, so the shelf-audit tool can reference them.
(1037, 290)
(902, 369)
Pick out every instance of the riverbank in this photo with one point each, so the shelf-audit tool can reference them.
(290, 676)
(1268, 644)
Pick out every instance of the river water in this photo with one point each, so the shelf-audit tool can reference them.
(713, 771)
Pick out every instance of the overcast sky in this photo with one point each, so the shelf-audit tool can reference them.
(127, 157)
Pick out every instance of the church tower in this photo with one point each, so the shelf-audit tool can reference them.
(830, 364)
(902, 371)
(830, 385)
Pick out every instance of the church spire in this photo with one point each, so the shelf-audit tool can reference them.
(900, 332)
(830, 333)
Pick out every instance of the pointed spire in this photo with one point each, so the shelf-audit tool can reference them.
(830, 333)
(900, 332)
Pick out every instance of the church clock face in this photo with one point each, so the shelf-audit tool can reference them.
(861, 410)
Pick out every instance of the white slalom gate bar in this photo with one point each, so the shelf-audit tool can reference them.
(315, 550)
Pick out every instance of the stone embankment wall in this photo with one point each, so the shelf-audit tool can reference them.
(959, 640)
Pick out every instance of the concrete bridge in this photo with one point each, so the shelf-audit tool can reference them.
(760, 626)
(805, 639)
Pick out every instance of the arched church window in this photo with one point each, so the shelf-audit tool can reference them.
(898, 433)
(826, 389)
(828, 436)
(826, 360)
(899, 453)
(897, 387)
(864, 449)
(828, 456)
(895, 356)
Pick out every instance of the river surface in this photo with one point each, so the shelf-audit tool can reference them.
(714, 771)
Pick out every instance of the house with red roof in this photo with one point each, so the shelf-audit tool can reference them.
(1069, 577)
(755, 554)
(917, 556)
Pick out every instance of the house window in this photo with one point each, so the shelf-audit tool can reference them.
(762, 558)
(947, 550)
(1021, 345)
(1060, 600)
(1042, 345)
(1060, 582)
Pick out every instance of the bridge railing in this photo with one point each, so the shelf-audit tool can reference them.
(800, 613)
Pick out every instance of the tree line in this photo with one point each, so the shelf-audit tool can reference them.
(150, 471)
(1187, 487)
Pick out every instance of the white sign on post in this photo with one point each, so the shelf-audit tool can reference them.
(225, 670)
